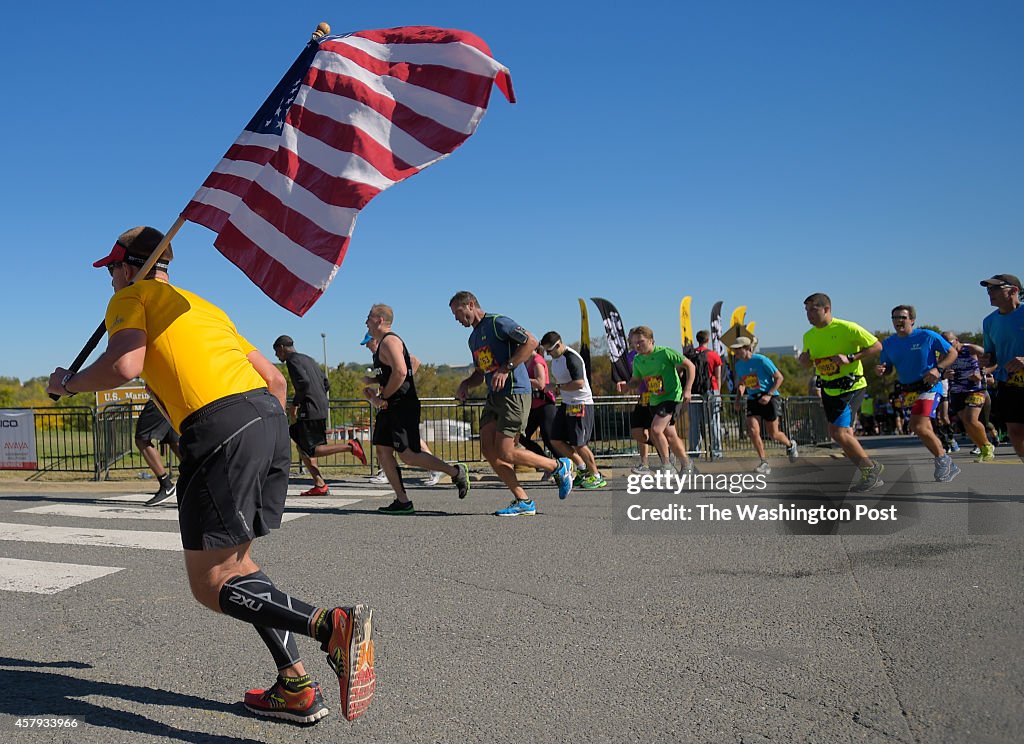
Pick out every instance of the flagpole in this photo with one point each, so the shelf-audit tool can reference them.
(94, 340)
(322, 29)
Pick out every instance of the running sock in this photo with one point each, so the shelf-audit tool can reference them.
(255, 600)
(164, 480)
(281, 644)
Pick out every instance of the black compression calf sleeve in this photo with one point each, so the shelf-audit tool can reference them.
(281, 644)
(255, 600)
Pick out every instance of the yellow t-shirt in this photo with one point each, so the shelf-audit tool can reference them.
(838, 337)
(194, 354)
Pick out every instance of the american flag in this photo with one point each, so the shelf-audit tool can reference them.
(354, 114)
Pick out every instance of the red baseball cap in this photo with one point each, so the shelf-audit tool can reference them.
(134, 247)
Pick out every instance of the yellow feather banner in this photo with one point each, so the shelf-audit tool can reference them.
(685, 321)
(738, 315)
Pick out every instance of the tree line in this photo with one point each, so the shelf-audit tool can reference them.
(441, 380)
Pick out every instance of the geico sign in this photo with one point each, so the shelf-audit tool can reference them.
(8, 424)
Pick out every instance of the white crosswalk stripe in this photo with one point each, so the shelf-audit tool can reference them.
(103, 511)
(46, 577)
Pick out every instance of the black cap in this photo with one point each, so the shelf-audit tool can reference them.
(1001, 280)
(285, 341)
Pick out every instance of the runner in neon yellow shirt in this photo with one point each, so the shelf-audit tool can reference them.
(836, 348)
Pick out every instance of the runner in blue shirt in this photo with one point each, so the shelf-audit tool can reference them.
(1004, 346)
(760, 379)
(920, 358)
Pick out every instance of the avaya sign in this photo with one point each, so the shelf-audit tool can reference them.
(17, 440)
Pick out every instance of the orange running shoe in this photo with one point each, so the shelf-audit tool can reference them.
(317, 491)
(304, 706)
(350, 654)
(357, 450)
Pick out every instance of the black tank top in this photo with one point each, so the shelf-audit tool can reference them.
(408, 387)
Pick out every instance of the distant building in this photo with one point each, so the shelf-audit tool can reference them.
(781, 351)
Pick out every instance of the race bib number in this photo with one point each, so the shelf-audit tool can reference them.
(576, 410)
(975, 400)
(908, 399)
(751, 382)
(1016, 379)
(654, 385)
(826, 366)
(485, 360)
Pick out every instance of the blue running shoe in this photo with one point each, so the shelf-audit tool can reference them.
(948, 473)
(563, 476)
(943, 467)
(517, 508)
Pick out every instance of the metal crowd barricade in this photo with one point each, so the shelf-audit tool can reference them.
(802, 417)
(115, 439)
(78, 439)
(65, 439)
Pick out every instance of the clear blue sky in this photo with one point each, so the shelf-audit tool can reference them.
(748, 152)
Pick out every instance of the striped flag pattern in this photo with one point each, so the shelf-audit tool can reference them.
(354, 115)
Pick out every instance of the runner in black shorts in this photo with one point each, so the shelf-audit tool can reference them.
(1003, 342)
(153, 426)
(397, 428)
(574, 421)
(227, 400)
(759, 380)
(310, 410)
(967, 394)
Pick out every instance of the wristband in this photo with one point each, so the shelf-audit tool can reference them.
(64, 382)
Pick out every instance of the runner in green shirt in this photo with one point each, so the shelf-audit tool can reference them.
(657, 369)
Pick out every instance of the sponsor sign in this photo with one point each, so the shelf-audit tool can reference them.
(17, 440)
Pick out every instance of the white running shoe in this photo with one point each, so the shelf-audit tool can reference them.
(379, 478)
(433, 479)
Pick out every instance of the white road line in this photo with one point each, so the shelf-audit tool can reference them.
(337, 494)
(102, 511)
(342, 491)
(44, 577)
(90, 536)
(308, 502)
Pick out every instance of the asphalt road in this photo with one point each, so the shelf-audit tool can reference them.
(578, 624)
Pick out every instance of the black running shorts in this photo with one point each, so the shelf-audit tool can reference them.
(1008, 404)
(398, 425)
(770, 412)
(574, 424)
(641, 417)
(308, 434)
(960, 401)
(153, 426)
(233, 480)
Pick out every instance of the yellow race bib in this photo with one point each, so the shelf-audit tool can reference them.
(825, 367)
